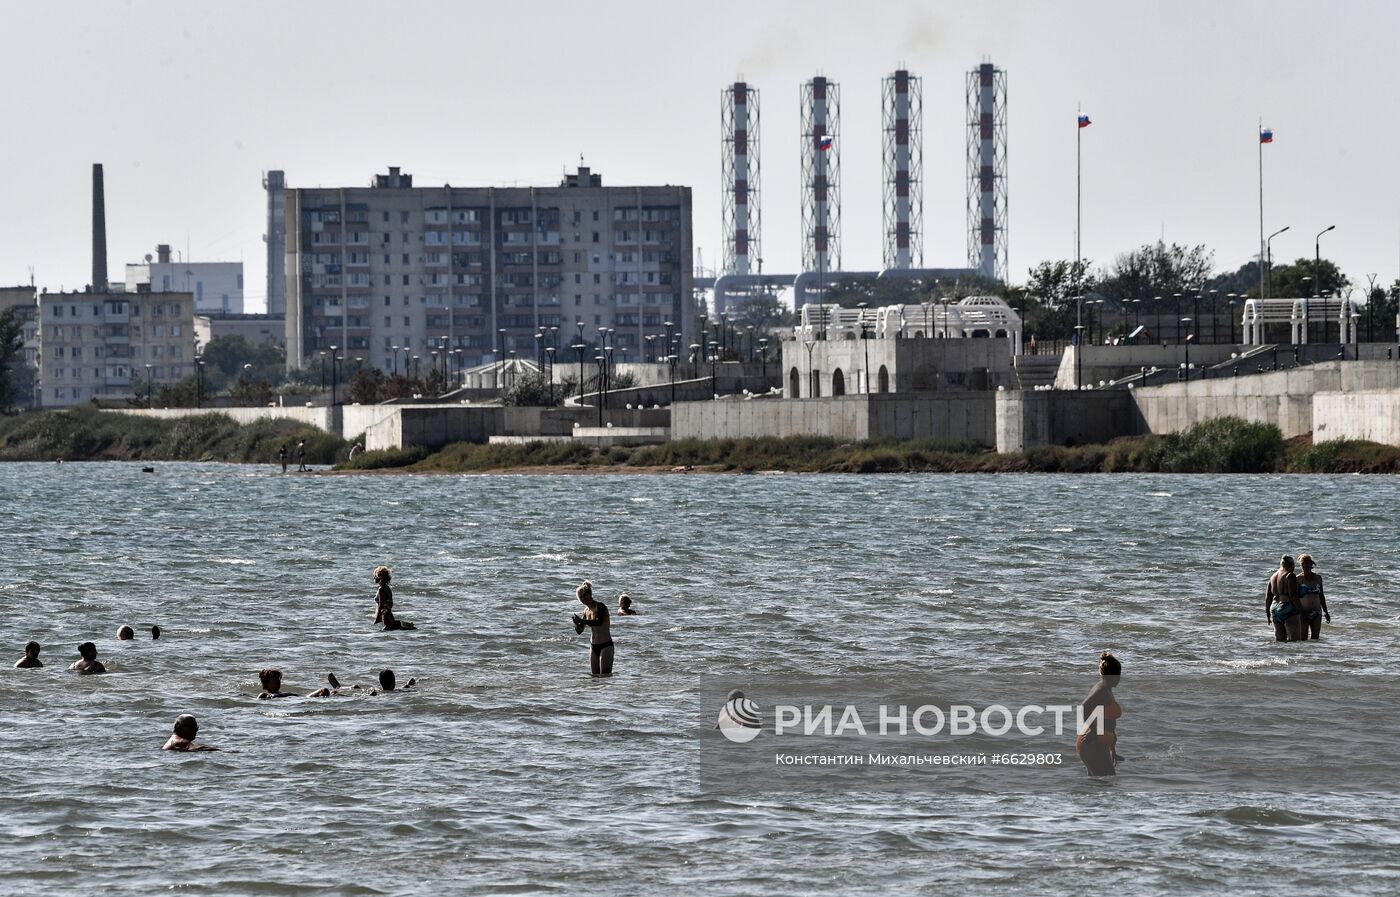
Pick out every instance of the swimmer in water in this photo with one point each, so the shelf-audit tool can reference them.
(125, 633)
(155, 633)
(600, 643)
(88, 665)
(624, 606)
(394, 625)
(1281, 601)
(387, 682)
(1311, 601)
(384, 595)
(186, 728)
(1097, 745)
(30, 660)
(272, 685)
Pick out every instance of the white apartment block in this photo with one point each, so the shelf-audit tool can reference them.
(217, 287)
(390, 268)
(112, 346)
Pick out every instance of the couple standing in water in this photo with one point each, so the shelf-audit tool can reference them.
(1295, 602)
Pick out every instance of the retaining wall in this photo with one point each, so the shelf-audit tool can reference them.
(1373, 415)
(953, 416)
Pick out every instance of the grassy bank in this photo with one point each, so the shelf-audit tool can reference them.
(1228, 445)
(83, 434)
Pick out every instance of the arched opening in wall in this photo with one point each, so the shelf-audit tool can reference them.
(838, 383)
(1001, 334)
(884, 379)
(925, 378)
(980, 334)
(849, 336)
(794, 384)
(918, 334)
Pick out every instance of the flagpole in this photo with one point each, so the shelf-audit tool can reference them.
(1259, 138)
(1078, 238)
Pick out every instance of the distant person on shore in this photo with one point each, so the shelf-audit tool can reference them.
(155, 633)
(1281, 602)
(272, 685)
(87, 664)
(1097, 742)
(384, 594)
(125, 633)
(393, 624)
(30, 660)
(186, 728)
(595, 618)
(355, 450)
(301, 457)
(282, 456)
(624, 606)
(1311, 601)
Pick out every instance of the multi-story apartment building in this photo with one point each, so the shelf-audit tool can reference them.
(23, 302)
(217, 286)
(112, 345)
(396, 268)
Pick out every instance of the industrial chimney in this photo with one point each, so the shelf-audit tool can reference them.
(99, 232)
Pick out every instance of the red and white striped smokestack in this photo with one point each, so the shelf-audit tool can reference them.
(821, 175)
(741, 181)
(99, 232)
(987, 152)
(903, 177)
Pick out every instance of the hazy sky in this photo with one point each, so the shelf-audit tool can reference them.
(187, 104)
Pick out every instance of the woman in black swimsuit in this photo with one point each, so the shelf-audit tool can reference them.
(600, 643)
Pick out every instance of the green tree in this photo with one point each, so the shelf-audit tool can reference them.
(1287, 281)
(1379, 322)
(367, 386)
(764, 312)
(1157, 270)
(531, 390)
(15, 377)
(225, 358)
(434, 384)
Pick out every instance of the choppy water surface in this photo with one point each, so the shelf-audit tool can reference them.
(511, 771)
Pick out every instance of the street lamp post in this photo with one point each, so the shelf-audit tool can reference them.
(1186, 343)
(396, 359)
(763, 355)
(335, 360)
(150, 403)
(672, 359)
(1079, 356)
(1317, 272)
(1177, 297)
(714, 369)
(1230, 304)
(1214, 294)
(199, 383)
(602, 385)
(865, 345)
(549, 370)
(1269, 266)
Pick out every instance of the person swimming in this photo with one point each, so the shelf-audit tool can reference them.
(272, 685)
(624, 606)
(388, 683)
(391, 624)
(155, 633)
(186, 728)
(1097, 746)
(384, 595)
(595, 617)
(30, 660)
(1312, 603)
(1281, 602)
(88, 664)
(125, 633)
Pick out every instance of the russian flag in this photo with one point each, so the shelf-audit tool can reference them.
(1084, 121)
(824, 142)
(1266, 135)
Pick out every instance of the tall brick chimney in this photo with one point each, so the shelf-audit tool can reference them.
(99, 232)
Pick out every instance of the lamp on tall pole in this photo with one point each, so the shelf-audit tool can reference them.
(1317, 271)
(149, 400)
(1213, 329)
(1186, 343)
(335, 360)
(1269, 268)
(1177, 297)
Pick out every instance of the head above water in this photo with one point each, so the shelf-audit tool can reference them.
(624, 601)
(1109, 665)
(585, 592)
(186, 726)
(1286, 562)
(87, 651)
(382, 575)
(155, 632)
(125, 633)
(1306, 562)
(271, 679)
(386, 680)
(31, 649)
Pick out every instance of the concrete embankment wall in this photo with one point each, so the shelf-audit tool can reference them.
(1025, 419)
(1372, 415)
(1106, 363)
(434, 427)
(952, 416)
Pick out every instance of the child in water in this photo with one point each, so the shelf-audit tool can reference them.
(30, 660)
(624, 606)
(384, 596)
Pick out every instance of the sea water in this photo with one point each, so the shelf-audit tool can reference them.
(510, 770)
